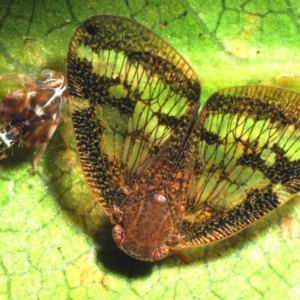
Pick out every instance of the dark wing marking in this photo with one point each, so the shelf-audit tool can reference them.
(130, 92)
(247, 161)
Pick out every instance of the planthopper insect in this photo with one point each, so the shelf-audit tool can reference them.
(169, 174)
(31, 114)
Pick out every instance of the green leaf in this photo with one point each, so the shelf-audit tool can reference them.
(55, 241)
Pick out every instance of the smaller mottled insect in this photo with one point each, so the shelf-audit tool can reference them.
(168, 174)
(31, 114)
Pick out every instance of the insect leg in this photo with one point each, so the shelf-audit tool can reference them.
(25, 79)
(40, 152)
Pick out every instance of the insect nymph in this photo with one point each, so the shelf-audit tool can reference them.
(168, 174)
(31, 114)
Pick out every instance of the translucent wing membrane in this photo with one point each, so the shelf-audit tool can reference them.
(130, 92)
(247, 161)
(167, 175)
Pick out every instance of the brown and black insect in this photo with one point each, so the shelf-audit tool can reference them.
(169, 174)
(31, 114)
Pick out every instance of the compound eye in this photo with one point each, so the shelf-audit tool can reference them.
(118, 234)
(46, 74)
(161, 253)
